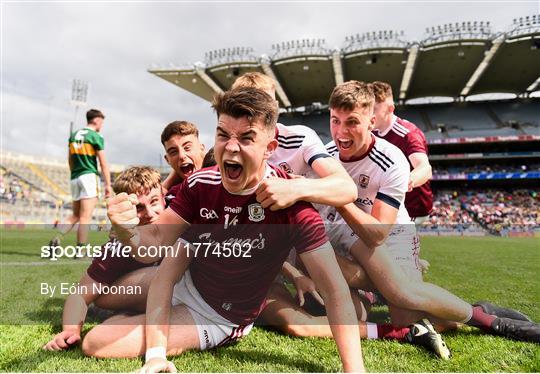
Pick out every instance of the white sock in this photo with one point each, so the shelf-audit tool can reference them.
(372, 332)
(469, 316)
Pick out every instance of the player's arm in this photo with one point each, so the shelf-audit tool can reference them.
(70, 161)
(334, 187)
(158, 309)
(105, 172)
(372, 228)
(171, 180)
(421, 172)
(301, 282)
(122, 212)
(73, 316)
(324, 270)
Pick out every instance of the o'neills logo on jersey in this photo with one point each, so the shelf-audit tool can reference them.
(235, 210)
(256, 212)
(363, 180)
(286, 167)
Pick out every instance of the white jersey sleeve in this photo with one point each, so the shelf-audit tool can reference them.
(331, 148)
(395, 181)
(313, 147)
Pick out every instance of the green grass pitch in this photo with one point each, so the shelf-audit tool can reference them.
(502, 270)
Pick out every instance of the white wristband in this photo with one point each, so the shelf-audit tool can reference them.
(155, 352)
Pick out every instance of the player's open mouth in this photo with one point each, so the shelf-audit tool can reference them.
(345, 143)
(233, 169)
(187, 169)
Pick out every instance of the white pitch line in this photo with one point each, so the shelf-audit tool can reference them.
(39, 263)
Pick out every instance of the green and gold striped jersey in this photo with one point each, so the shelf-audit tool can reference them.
(83, 145)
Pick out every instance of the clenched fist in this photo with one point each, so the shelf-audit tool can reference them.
(276, 193)
(122, 210)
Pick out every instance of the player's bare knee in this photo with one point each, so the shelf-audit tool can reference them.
(90, 344)
(95, 343)
(299, 331)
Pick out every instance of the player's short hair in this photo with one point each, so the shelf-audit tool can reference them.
(137, 180)
(209, 159)
(382, 91)
(181, 128)
(93, 113)
(255, 80)
(253, 103)
(352, 94)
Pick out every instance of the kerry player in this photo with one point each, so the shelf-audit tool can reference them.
(86, 148)
(216, 298)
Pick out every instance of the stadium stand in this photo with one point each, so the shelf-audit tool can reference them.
(45, 174)
(317, 121)
(526, 112)
(448, 214)
(460, 116)
(499, 212)
(37, 190)
(523, 115)
(414, 114)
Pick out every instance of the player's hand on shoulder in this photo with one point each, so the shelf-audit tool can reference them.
(276, 193)
(122, 209)
(157, 365)
(410, 186)
(63, 340)
(304, 284)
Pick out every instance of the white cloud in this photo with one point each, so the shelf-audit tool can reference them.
(46, 45)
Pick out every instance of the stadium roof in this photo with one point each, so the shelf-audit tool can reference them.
(453, 60)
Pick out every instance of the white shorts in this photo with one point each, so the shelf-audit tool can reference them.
(420, 220)
(85, 186)
(402, 243)
(214, 330)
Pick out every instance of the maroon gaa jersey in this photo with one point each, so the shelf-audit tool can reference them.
(410, 139)
(171, 193)
(111, 265)
(235, 284)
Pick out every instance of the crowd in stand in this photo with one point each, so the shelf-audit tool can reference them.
(496, 211)
(492, 168)
(14, 190)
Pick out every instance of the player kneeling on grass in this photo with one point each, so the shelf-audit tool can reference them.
(216, 301)
(111, 269)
